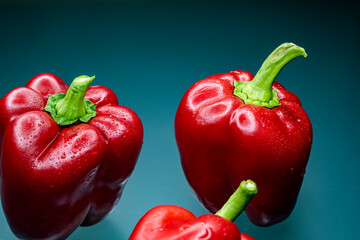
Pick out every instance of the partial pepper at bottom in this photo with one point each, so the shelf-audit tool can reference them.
(169, 222)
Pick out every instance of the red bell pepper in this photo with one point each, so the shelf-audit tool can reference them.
(230, 127)
(168, 222)
(67, 168)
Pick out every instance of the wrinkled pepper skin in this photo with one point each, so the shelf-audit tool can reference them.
(169, 222)
(223, 141)
(55, 178)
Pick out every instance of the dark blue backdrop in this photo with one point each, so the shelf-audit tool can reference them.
(150, 52)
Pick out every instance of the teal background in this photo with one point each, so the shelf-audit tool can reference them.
(151, 52)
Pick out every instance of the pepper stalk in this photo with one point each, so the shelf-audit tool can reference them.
(72, 107)
(238, 200)
(259, 91)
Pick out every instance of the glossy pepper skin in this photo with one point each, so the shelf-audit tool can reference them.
(169, 222)
(56, 178)
(233, 126)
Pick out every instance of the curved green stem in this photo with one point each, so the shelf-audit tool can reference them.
(72, 107)
(259, 91)
(238, 200)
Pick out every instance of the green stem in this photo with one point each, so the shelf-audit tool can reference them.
(238, 200)
(69, 108)
(259, 91)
